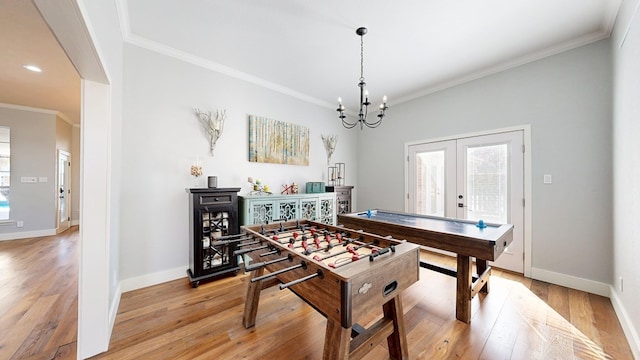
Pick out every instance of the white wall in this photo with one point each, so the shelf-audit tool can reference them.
(162, 138)
(625, 46)
(33, 154)
(567, 100)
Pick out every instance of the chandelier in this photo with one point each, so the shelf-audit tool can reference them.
(364, 96)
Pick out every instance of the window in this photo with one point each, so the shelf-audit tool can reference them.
(5, 171)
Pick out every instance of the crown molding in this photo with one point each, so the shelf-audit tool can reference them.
(29, 108)
(606, 29)
(529, 58)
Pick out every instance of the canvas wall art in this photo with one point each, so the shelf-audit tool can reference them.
(277, 142)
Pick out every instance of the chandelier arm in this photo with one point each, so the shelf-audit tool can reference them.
(349, 125)
(373, 124)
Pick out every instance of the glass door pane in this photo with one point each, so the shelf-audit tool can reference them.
(487, 183)
(430, 183)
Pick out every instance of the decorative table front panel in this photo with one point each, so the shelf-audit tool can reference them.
(265, 209)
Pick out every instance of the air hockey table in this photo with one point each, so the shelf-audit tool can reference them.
(467, 239)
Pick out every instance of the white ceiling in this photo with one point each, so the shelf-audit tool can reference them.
(26, 39)
(309, 49)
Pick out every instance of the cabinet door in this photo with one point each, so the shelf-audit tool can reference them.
(288, 209)
(215, 223)
(261, 211)
(309, 209)
(327, 212)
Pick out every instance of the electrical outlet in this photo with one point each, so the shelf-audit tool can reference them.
(621, 284)
(19, 223)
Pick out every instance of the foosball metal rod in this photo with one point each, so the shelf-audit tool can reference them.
(219, 241)
(264, 231)
(272, 252)
(281, 271)
(265, 263)
(244, 251)
(318, 273)
(345, 251)
(226, 237)
(250, 243)
(371, 256)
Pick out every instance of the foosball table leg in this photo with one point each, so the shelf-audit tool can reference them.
(252, 300)
(336, 342)
(397, 341)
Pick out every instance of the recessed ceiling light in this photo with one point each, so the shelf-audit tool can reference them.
(32, 68)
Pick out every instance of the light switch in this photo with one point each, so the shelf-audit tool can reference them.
(548, 179)
(29, 179)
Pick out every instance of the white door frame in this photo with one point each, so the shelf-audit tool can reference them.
(95, 315)
(526, 129)
(61, 224)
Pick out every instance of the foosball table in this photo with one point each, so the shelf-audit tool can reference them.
(344, 274)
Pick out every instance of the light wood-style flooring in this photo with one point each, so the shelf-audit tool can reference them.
(39, 297)
(519, 319)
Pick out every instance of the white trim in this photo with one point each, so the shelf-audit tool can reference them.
(528, 200)
(123, 18)
(38, 110)
(66, 19)
(29, 108)
(480, 73)
(626, 32)
(27, 234)
(93, 282)
(160, 277)
(60, 152)
(573, 282)
(629, 330)
(526, 129)
(157, 47)
(113, 311)
(213, 66)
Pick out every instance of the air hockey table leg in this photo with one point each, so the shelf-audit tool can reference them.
(481, 267)
(463, 289)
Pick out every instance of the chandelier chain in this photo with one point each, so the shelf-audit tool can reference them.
(361, 58)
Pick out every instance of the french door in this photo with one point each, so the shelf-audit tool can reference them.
(473, 178)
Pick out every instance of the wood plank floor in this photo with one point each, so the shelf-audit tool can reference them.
(39, 297)
(519, 319)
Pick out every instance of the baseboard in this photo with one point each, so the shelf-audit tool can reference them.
(27, 234)
(75, 222)
(572, 282)
(113, 311)
(143, 281)
(627, 326)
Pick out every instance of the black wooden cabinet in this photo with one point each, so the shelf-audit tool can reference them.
(213, 214)
(343, 198)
